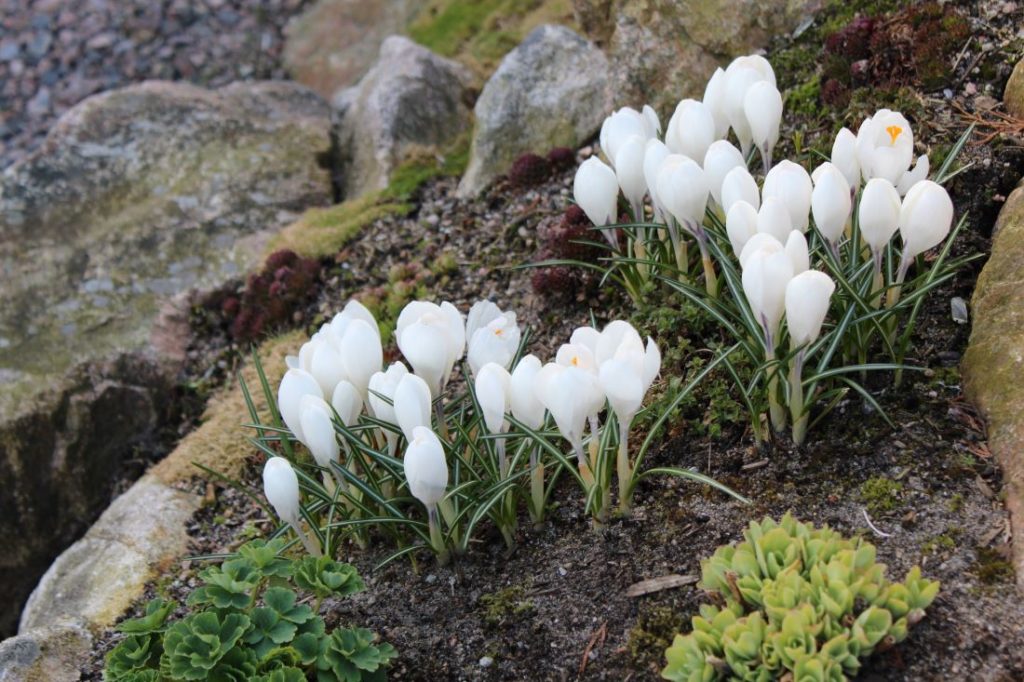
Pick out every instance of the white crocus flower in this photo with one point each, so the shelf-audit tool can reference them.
(620, 125)
(382, 397)
(740, 225)
(411, 404)
(831, 203)
(347, 402)
(739, 185)
(493, 388)
(568, 393)
(879, 215)
(655, 153)
(596, 190)
(652, 125)
(528, 409)
(426, 472)
(629, 171)
(763, 108)
(493, 335)
(885, 146)
(326, 363)
(761, 241)
(721, 158)
(796, 250)
(361, 352)
(691, 130)
(714, 97)
(432, 338)
(281, 486)
(774, 219)
(915, 175)
(791, 184)
(925, 220)
(295, 384)
(844, 156)
(807, 300)
(765, 276)
(738, 80)
(318, 436)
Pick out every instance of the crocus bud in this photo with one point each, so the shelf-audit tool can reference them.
(763, 108)
(412, 404)
(493, 335)
(791, 184)
(796, 251)
(318, 430)
(844, 156)
(596, 189)
(652, 126)
(655, 152)
(525, 405)
(773, 219)
(765, 277)
(925, 218)
(493, 392)
(615, 335)
(885, 146)
(879, 213)
(757, 63)
(807, 299)
(326, 363)
(426, 470)
(721, 158)
(295, 384)
(915, 175)
(353, 310)
(362, 353)
(714, 97)
(432, 338)
(739, 185)
(683, 190)
(618, 127)
(281, 486)
(626, 376)
(347, 402)
(384, 384)
(739, 78)
(629, 171)
(762, 241)
(740, 225)
(691, 130)
(830, 202)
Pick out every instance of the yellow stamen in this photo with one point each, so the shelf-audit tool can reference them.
(894, 132)
(575, 361)
(498, 332)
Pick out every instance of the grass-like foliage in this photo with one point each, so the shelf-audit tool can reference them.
(249, 622)
(795, 602)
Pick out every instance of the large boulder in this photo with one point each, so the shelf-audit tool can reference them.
(53, 653)
(994, 362)
(334, 42)
(662, 51)
(410, 100)
(1013, 96)
(550, 91)
(136, 195)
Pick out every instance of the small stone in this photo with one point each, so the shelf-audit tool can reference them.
(958, 309)
(431, 579)
(486, 662)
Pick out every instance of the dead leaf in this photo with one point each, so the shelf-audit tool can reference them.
(665, 582)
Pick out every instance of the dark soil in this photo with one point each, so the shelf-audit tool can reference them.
(556, 608)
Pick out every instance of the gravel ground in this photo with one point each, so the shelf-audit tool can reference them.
(55, 53)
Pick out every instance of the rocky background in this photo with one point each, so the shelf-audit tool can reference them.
(148, 162)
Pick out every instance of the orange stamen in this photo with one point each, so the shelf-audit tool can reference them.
(894, 132)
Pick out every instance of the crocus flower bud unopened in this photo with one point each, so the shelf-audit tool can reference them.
(412, 404)
(830, 202)
(844, 156)
(281, 486)
(629, 170)
(493, 392)
(432, 338)
(879, 213)
(426, 470)
(740, 225)
(295, 384)
(773, 219)
(739, 185)
(791, 184)
(925, 218)
(807, 299)
(683, 190)
(763, 108)
(721, 158)
(765, 277)
(796, 250)
(524, 403)
(318, 430)
(691, 130)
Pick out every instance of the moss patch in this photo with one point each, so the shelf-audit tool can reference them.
(992, 567)
(220, 442)
(481, 33)
(881, 494)
(653, 633)
(505, 605)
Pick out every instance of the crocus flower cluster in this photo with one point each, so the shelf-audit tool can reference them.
(338, 382)
(697, 182)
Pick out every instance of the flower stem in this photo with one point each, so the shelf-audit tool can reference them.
(536, 489)
(436, 539)
(311, 547)
(796, 398)
(624, 471)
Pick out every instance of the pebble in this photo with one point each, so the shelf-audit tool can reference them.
(486, 662)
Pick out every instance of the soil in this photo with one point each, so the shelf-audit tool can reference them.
(925, 492)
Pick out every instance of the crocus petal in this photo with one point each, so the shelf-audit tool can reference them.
(763, 107)
(623, 387)
(412, 404)
(796, 250)
(318, 430)
(629, 169)
(347, 402)
(918, 173)
(426, 470)
(844, 156)
(691, 130)
(807, 300)
(295, 384)
(879, 213)
(740, 225)
(925, 218)
(739, 185)
(596, 190)
(281, 486)
(774, 219)
(493, 389)
(362, 354)
(525, 405)
(721, 158)
(791, 184)
(830, 202)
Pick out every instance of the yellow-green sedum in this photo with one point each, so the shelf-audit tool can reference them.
(800, 603)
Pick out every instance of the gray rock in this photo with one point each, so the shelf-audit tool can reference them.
(550, 91)
(333, 43)
(409, 101)
(1013, 96)
(662, 52)
(136, 195)
(98, 577)
(48, 654)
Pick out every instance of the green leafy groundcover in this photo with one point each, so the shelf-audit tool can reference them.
(800, 603)
(248, 624)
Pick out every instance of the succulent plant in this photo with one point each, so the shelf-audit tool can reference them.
(529, 170)
(325, 577)
(800, 602)
(271, 295)
(562, 158)
(229, 585)
(198, 644)
(352, 655)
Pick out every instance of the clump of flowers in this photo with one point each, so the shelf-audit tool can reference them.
(795, 602)
(529, 170)
(251, 620)
(271, 295)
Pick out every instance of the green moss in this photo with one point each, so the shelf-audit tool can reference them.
(881, 494)
(956, 503)
(946, 542)
(321, 232)
(446, 264)
(805, 99)
(505, 605)
(992, 567)
(653, 633)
